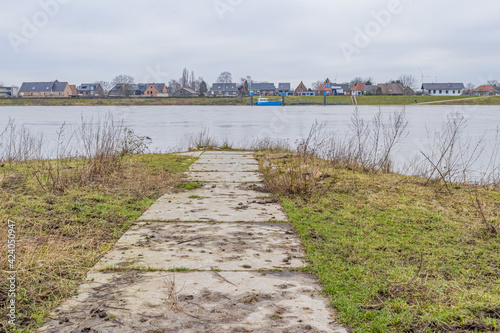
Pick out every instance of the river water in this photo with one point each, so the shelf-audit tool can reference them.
(170, 126)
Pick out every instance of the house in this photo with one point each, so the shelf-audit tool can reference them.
(338, 89)
(300, 89)
(122, 90)
(139, 89)
(155, 89)
(284, 88)
(224, 89)
(45, 89)
(359, 89)
(9, 91)
(262, 89)
(443, 89)
(90, 89)
(487, 90)
(324, 88)
(74, 91)
(185, 92)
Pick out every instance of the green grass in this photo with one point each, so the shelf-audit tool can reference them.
(121, 101)
(189, 186)
(395, 255)
(60, 236)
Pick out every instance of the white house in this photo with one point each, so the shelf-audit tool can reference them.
(443, 89)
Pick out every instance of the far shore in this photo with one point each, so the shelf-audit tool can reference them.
(289, 100)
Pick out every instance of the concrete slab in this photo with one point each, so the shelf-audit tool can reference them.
(192, 207)
(247, 190)
(206, 246)
(226, 159)
(227, 177)
(230, 152)
(222, 302)
(225, 167)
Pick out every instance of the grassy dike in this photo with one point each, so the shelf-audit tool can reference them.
(394, 254)
(361, 100)
(61, 234)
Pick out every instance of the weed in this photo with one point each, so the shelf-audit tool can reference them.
(189, 186)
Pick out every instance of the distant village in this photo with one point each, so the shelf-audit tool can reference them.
(123, 86)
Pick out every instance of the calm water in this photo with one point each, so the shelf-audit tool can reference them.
(169, 126)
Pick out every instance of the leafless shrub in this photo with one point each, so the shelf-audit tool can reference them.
(270, 144)
(203, 140)
(301, 172)
(368, 145)
(80, 155)
(133, 143)
(451, 156)
(226, 144)
(18, 143)
(490, 175)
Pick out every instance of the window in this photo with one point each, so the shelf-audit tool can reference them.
(440, 91)
(453, 92)
(447, 91)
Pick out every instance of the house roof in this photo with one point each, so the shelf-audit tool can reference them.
(43, 86)
(301, 87)
(262, 86)
(443, 86)
(323, 87)
(486, 88)
(159, 86)
(284, 86)
(359, 87)
(392, 88)
(230, 87)
(188, 90)
(87, 86)
(344, 86)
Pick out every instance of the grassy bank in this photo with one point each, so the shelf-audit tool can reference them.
(119, 101)
(393, 253)
(362, 100)
(62, 231)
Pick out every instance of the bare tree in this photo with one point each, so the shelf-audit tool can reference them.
(243, 88)
(173, 85)
(470, 88)
(409, 83)
(123, 82)
(225, 77)
(369, 80)
(247, 78)
(202, 87)
(106, 86)
(495, 82)
(356, 80)
(317, 84)
(192, 81)
(184, 80)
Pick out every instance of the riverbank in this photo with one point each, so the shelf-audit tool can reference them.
(394, 253)
(343, 100)
(64, 221)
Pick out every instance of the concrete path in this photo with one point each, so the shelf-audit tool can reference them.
(217, 258)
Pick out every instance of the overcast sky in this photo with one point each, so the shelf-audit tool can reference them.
(274, 40)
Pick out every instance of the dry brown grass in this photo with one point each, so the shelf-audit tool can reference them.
(60, 235)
